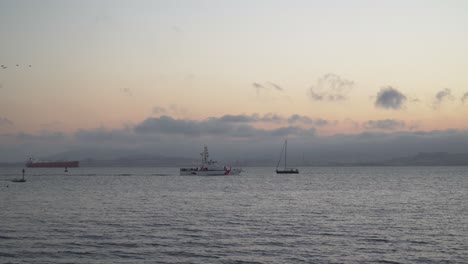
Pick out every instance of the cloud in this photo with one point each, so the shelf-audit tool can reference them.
(238, 118)
(159, 110)
(331, 87)
(168, 125)
(171, 109)
(126, 91)
(441, 97)
(307, 120)
(5, 122)
(233, 140)
(276, 86)
(267, 87)
(285, 131)
(51, 124)
(178, 110)
(103, 135)
(273, 118)
(42, 136)
(235, 126)
(464, 98)
(253, 118)
(385, 124)
(390, 98)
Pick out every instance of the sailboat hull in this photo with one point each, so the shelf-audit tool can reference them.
(288, 171)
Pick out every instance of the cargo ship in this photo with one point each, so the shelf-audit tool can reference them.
(31, 163)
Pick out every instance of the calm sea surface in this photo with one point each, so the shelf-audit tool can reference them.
(152, 215)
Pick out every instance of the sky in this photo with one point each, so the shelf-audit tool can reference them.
(341, 80)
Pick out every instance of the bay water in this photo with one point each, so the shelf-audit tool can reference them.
(153, 215)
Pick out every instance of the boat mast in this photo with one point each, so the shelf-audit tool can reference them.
(280, 158)
(204, 155)
(285, 153)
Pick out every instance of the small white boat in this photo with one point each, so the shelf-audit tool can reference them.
(209, 167)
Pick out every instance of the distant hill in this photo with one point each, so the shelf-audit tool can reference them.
(140, 160)
(147, 160)
(426, 159)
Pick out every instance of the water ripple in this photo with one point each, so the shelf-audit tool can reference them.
(328, 215)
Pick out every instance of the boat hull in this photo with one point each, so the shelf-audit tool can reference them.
(18, 180)
(196, 172)
(55, 164)
(288, 171)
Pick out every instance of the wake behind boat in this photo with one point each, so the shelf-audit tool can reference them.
(209, 167)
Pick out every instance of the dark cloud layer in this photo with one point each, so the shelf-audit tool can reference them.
(245, 136)
(331, 87)
(43, 136)
(102, 135)
(307, 120)
(385, 124)
(236, 126)
(254, 118)
(229, 138)
(390, 98)
(271, 118)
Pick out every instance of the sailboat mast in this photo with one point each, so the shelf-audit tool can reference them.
(285, 153)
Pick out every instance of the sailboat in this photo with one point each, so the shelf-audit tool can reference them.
(285, 170)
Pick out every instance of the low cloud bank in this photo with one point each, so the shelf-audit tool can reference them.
(236, 137)
(386, 124)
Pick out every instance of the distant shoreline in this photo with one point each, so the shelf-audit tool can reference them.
(423, 159)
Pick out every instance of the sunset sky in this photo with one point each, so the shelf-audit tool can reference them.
(170, 76)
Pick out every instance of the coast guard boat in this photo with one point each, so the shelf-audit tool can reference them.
(209, 167)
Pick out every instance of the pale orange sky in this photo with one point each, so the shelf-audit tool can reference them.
(109, 64)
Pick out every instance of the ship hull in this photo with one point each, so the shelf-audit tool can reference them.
(288, 171)
(197, 172)
(56, 164)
